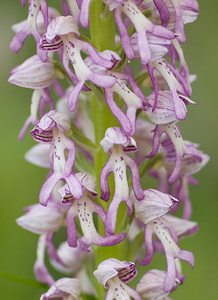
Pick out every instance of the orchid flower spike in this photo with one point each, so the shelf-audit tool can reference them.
(117, 144)
(83, 208)
(62, 33)
(151, 211)
(51, 130)
(113, 275)
(63, 289)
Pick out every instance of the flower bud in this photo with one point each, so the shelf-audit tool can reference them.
(33, 73)
(40, 219)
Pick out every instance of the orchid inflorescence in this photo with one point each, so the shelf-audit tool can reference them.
(111, 116)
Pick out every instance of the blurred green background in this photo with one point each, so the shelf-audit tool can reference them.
(21, 181)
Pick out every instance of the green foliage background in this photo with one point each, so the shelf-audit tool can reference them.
(21, 181)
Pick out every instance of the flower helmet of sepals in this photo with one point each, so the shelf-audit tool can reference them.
(113, 274)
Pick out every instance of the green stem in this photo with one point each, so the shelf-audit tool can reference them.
(102, 26)
(102, 31)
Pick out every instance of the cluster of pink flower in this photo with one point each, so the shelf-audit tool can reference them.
(71, 145)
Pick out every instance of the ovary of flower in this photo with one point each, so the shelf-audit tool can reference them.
(133, 101)
(171, 76)
(142, 26)
(84, 209)
(161, 228)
